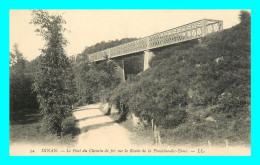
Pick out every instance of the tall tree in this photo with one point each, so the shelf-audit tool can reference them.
(54, 83)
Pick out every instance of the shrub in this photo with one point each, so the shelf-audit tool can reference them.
(80, 102)
(69, 126)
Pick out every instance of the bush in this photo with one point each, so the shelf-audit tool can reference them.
(69, 126)
(159, 100)
(80, 102)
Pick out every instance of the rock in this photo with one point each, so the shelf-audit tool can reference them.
(210, 119)
(114, 110)
(135, 120)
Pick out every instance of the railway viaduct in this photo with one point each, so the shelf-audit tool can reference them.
(187, 32)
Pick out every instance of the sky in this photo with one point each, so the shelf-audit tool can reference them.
(88, 27)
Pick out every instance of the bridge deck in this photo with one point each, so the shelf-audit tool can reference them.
(179, 34)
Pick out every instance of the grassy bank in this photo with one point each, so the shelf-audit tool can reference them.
(27, 129)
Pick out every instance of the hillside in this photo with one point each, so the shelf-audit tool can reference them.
(196, 94)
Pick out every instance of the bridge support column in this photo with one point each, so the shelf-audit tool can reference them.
(147, 57)
(120, 70)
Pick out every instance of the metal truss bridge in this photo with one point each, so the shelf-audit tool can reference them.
(190, 31)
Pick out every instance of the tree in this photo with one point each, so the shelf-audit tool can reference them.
(15, 56)
(22, 98)
(244, 15)
(97, 79)
(54, 83)
(17, 79)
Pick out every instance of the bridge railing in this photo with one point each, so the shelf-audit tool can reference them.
(179, 34)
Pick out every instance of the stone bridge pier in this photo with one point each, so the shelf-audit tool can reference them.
(120, 70)
(148, 54)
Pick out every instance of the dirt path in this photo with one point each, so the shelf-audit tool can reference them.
(100, 131)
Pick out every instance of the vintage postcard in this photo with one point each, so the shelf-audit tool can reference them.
(130, 82)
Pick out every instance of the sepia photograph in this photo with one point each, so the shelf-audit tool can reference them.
(129, 82)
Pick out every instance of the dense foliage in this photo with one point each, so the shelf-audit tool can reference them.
(95, 80)
(22, 98)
